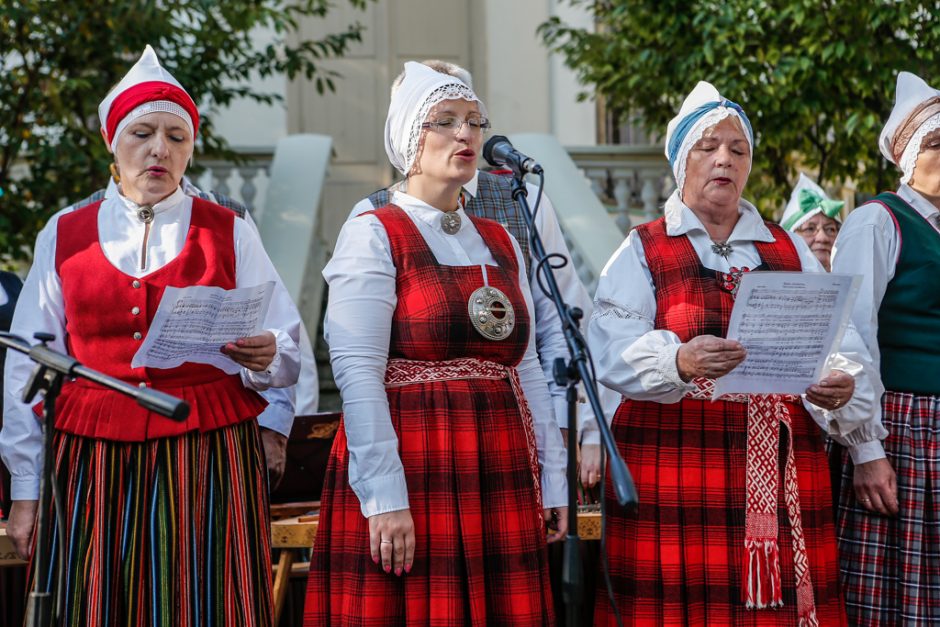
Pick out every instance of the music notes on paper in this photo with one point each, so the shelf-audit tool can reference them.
(193, 323)
(789, 322)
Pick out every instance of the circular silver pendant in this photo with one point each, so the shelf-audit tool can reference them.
(450, 222)
(491, 313)
(145, 214)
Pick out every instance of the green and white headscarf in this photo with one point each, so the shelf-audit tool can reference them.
(806, 201)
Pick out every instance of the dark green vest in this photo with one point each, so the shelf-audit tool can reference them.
(494, 201)
(909, 316)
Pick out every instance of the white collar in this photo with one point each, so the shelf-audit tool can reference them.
(170, 202)
(923, 206)
(471, 186)
(428, 214)
(750, 227)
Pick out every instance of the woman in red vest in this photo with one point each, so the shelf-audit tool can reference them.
(889, 509)
(449, 462)
(734, 524)
(165, 522)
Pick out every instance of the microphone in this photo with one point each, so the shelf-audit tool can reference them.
(498, 151)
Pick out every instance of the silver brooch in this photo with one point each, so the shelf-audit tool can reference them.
(491, 313)
(145, 214)
(450, 222)
(723, 249)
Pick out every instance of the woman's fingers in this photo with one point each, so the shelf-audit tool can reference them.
(386, 551)
(590, 465)
(255, 352)
(392, 541)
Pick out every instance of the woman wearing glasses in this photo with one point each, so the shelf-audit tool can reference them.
(449, 463)
(814, 217)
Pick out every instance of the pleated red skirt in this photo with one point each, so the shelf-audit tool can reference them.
(480, 554)
(678, 558)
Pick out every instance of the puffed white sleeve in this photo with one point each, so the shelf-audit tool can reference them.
(551, 448)
(40, 308)
(857, 424)
(253, 267)
(362, 300)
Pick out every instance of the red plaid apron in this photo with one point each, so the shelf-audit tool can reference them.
(681, 558)
(466, 445)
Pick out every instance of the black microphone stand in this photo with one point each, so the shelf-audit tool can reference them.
(52, 368)
(569, 375)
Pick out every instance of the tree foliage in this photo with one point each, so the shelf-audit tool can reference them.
(59, 59)
(816, 77)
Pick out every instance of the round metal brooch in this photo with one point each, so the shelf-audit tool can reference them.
(450, 222)
(145, 214)
(491, 313)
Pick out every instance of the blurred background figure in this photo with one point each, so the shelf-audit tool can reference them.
(815, 217)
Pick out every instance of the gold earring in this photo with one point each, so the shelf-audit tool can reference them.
(114, 173)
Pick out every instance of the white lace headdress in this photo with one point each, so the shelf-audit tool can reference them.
(421, 89)
(916, 113)
(702, 109)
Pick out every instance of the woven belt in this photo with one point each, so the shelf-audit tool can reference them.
(402, 372)
(762, 584)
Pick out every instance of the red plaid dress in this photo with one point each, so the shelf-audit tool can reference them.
(679, 558)
(480, 554)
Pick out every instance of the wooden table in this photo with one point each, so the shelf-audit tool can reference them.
(7, 554)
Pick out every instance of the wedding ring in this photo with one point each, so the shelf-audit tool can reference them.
(385, 542)
(865, 500)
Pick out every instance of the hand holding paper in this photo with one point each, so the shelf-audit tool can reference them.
(193, 324)
(789, 322)
(255, 352)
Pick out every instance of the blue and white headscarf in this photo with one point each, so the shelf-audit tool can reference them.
(701, 110)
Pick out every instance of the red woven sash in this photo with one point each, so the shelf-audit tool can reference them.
(408, 372)
(762, 585)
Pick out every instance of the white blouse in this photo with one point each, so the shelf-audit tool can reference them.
(362, 300)
(868, 245)
(41, 308)
(549, 337)
(640, 362)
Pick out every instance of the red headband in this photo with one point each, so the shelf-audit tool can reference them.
(150, 91)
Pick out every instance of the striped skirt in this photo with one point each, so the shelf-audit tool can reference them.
(480, 555)
(891, 566)
(168, 532)
(678, 559)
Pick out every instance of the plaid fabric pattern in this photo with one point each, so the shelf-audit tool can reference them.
(480, 554)
(679, 558)
(688, 301)
(891, 566)
(492, 201)
(169, 532)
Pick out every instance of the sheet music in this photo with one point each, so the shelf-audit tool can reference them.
(789, 322)
(192, 323)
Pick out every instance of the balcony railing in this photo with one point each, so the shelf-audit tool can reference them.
(633, 182)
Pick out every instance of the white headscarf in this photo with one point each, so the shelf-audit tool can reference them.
(421, 89)
(915, 111)
(701, 110)
(146, 72)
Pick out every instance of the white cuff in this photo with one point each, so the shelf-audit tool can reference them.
(560, 405)
(865, 452)
(667, 366)
(554, 489)
(277, 418)
(380, 495)
(24, 487)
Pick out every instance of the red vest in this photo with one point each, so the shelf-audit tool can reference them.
(689, 298)
(107, 315)
(431, 321)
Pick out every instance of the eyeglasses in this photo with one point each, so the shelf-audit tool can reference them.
(453, 125)
(812, 229)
